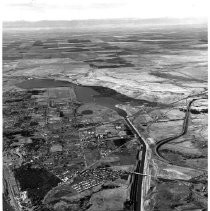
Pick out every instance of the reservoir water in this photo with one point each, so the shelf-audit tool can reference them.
(86, 94)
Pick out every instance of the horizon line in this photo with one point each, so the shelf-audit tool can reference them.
(98, 19)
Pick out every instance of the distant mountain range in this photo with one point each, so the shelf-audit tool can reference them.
(107, 23)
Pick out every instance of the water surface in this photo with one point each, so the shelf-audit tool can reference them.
(87, 94)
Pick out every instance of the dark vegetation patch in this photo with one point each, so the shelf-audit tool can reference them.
(120, 142)
(109, 63)
(87, 112)
(184, 155)
(109, 186)
(204, 41)
(78, 41)
(35, 92)
(125, 176)
(35, 145)
(202, 48)
(38, 43)
(36, 181)
(33, 123)
(28, 118)
(195, 111)
(14, 100)
(175, 77)
(43, 83)
(107, 92)
(11, 133)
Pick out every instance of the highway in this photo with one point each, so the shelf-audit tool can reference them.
(136, 187)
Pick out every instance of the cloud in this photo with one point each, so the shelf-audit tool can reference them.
(100, 9)
(109, 4)
(20, 5)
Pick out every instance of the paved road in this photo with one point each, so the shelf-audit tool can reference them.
(136, 188)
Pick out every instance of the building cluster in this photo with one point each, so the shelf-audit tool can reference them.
(23, 201)
(85, 185)
(95, 176)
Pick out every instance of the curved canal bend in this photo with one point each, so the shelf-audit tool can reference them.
(183, 132)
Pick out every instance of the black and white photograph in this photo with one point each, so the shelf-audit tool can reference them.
(104, 105)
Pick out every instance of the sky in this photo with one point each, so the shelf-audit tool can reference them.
(35, 10)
